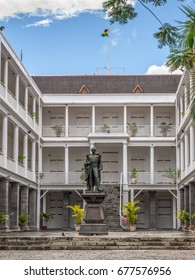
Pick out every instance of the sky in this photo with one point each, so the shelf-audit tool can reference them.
(63, 37)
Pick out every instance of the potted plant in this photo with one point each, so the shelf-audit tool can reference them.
(40, 176)
(105, 128)
(58, 130)
(21, 158)
(173, 174)
(23, 219)
(133, 175)
(77, 214)
(184, 217)
(3, 218)
(133, 128)
(165, 128)
(35, 115)
(192, 227)
(131, 209)
(46, 219)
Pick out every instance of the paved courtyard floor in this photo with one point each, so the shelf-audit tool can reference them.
(98, 254)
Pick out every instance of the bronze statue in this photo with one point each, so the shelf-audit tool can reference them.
(93, 166)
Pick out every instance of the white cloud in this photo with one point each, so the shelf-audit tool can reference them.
(154, 69)
(58, 9)
(44, 23)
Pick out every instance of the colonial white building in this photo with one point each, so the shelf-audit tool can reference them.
(49, 123)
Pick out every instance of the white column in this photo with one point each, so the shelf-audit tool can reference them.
(5, 139)
(38, 208)
(26, 102)
(93, 119)
(17, 91)
(191, 145)
(0, 58)
(16, 142)
(33, 158)
(174, 211)
(125, 119)
(6, 77)
(25, 154)
(132, 194)
(152, 164)
(40, 162)
(67, 122)
(182, 156)
(185, 98)
(186, 150)
(151, 120)
(66, 160)
(125, 171)
(181, 108)
(34, 111)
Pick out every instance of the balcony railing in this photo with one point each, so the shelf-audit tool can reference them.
(148, 178)
(11, 99)
(11, 164)
(109, 129)
(142, 131)
(1, 159)
(159, 132)
(2, 89)
(75, 178)
(79, 131)
(53, 131)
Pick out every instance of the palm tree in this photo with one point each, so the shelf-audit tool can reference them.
(184, 55)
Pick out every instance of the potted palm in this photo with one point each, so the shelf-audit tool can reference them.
(133, 128)
(130, 210)
(165, 128)
(23, 219)
(46, 219)
(58, 130)
(133, 175)
(21, 158)
(184, 217)
(77, 214)
(173, 174)
(105, 128)
(3, 218)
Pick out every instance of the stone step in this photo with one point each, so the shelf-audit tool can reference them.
(96, 243)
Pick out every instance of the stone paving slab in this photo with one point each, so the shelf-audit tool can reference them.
(98, 255)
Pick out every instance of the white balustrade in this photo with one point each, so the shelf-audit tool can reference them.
(21, 110)
(11, 99)
(2, 89)
(10, 164)
(79, 131)
(144, 178)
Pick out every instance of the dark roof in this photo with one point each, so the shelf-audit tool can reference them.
(107, 83)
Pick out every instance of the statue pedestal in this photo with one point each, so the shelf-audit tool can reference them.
(93, 214)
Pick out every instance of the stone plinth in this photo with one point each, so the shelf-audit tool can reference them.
(93, 214)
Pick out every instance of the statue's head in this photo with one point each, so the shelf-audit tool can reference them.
(93, 150)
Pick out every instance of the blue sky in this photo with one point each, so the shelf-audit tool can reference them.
(63, 38)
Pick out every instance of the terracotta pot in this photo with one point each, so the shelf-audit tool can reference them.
(77, 227)
(132, 227)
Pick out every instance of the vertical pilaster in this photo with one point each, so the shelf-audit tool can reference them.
(192, 145)
(6, 76)
(93, 119)
(125, 174)
(4, 200)
(16, 144)
(34, 111)
(24, 196)
(38, 207)
(181, 194)
(32, 208)
(17, 91)
(66, 122)
(14, 209)
(186, 149)
(181, 107)
(186, 198)
(182, 157)
(125, 119)
(152, 164)
(5, 139)
(33, 159)
(151, 120)
(152, 210)
(25, 154)
(26, 101)
(66, 157)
